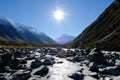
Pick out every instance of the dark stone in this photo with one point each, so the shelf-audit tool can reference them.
(49, 61)
(112, 71)
(30, 56)
(42, 72)
(97, 56)
(36, 63)
(77, 59)
(93, 67)
(77, 76)
(21, 75)
(13, 63)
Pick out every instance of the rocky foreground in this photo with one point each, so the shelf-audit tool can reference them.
(59, 64)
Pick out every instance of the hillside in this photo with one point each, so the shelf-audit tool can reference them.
(12, 33)
(105, 31)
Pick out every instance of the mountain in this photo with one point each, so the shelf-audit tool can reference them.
(8, 30)
(33, 36)
(65, 38)
(105, 31)
(15, 32)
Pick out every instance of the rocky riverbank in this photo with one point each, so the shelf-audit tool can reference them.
(59, 64)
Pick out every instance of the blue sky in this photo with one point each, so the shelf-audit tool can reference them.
(39, 14)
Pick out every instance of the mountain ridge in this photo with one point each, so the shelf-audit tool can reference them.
(103, 31)
(16, 32)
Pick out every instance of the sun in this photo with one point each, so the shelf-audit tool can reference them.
(59, 15)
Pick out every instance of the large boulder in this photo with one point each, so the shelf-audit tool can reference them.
(49, 61)
(36, 63)
(93, 67)
(96, 56)
(42, 72)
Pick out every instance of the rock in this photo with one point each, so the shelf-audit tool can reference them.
(117, 63)
(21, 66)
(96, 56)
(5, 58)
(36, 63)
(94, 75)
(77, 76)
(77, 59)
(42, 72)
(13, 63)
(22, 61)
(93, 67)
(107, 78)
(31, 56)
(112, 71)
(5, 69)
(49, 61)
(20, 75)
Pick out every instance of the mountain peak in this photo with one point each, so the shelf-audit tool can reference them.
(65, 38)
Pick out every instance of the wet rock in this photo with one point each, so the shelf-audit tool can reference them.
(77, 76)
(36, 63)
(20, 75)
(49, 61)
(42, 72)
(96, 56)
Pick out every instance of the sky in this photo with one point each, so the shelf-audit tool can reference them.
(39, 14)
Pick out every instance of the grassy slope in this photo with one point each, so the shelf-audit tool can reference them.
(105, 30)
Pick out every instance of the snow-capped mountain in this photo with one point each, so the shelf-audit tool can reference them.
(33, 36)
(21, 33)
(8, 30)
(65, 38)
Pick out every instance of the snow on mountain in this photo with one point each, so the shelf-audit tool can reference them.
(65, 38)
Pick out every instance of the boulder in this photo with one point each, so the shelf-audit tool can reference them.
(77, 59)
(30, 56)
(20, 75)
(93, 67)
(112, 71)
(49, 61)
(42, 72)
(77, 76)
(13, 63)
(96, 56)
(36, 63)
